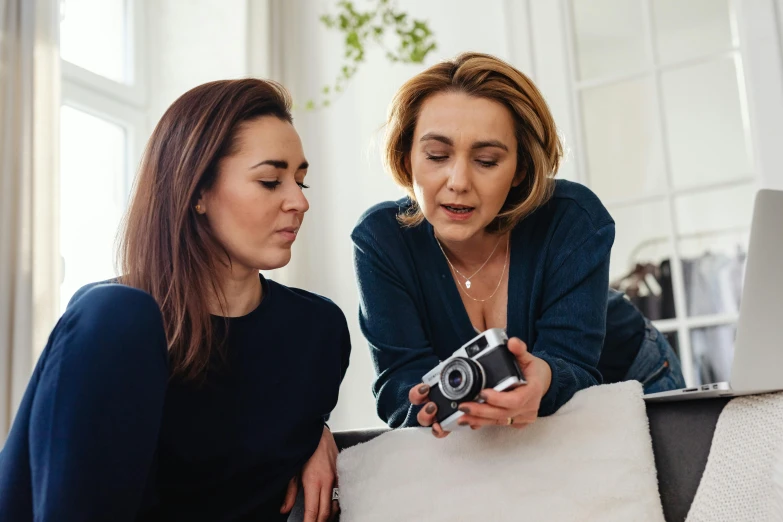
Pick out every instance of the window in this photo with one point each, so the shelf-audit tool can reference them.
(94, 35)
(102, 128)
(663, 138)
(92, 196)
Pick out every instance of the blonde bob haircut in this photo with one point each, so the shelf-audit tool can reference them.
(539, 150)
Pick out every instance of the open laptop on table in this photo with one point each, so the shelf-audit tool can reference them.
(758, 349)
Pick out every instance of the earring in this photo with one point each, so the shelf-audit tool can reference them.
(198, 208)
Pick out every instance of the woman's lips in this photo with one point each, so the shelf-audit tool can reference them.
(289, 234)
(458, 212)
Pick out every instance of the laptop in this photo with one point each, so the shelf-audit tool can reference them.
(758, 349)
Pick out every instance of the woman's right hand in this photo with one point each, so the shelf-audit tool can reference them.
(418, 395)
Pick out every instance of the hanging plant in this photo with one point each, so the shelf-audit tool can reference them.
(379, 25)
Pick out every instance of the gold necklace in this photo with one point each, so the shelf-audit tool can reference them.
(464, 290)
(467, 279)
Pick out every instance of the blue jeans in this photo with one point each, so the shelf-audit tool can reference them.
(656, 366)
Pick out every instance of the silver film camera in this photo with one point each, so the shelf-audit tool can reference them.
(483, 362)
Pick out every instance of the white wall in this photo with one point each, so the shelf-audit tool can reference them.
(191, 42)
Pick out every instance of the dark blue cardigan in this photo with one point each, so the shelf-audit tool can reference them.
(412, 315)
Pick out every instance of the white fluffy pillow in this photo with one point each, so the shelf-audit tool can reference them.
(592, 460)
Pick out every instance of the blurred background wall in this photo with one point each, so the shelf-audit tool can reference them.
(671, 111)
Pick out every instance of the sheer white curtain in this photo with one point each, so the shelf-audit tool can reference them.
(29, 256)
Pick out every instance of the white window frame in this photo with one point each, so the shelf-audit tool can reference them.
(123, 104)
(760, 24)
(761, 78)
(134, 93)
(132, 120)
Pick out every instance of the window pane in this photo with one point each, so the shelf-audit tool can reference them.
(707, 213)
(94, 35)
(623, 138)
(609, 37)
(712, 352)
(690, 29)
(705, 124)
(92, 197)
(713, 244)
(641, 258)
(713, 282)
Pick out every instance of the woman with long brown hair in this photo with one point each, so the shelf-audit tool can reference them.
(191, 388)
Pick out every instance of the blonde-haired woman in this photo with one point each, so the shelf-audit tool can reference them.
(488, 239)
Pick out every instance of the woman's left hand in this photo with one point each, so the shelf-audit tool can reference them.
(521, 404)
(319, 476)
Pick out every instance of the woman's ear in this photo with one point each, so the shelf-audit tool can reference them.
(521, 171)
(200, 206)
(519, 177)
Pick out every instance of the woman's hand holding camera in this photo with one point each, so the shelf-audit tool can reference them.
(516, 408)
(419, 395)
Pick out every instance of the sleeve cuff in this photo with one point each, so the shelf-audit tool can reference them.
(549, 401)
(410, 420)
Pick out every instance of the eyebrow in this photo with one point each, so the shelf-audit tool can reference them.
(431, 136)
(489, 143)
(280, 164)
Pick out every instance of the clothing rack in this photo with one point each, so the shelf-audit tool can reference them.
(694, 235)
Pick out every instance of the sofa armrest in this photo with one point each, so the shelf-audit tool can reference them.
(681, 437)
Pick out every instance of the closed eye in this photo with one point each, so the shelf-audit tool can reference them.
(437, 159)
(271, 185)
(487, 164)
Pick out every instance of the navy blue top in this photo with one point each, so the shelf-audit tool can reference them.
(412, 314)
(236, 439)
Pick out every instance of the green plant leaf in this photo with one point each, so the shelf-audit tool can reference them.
(414, 39)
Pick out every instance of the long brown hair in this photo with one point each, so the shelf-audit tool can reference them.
(538, 151)
(165, 247)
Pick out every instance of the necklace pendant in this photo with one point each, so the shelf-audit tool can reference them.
(467, 283)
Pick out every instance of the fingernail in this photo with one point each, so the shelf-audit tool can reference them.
(434, 432)
(482, 397)
(423, 389)
(430, 408)
(464, 409)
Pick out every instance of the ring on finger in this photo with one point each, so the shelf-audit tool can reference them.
(509, 421)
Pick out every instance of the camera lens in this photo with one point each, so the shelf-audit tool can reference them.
(455, 379)
(461, 379)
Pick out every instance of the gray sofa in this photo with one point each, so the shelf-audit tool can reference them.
(681, 437)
